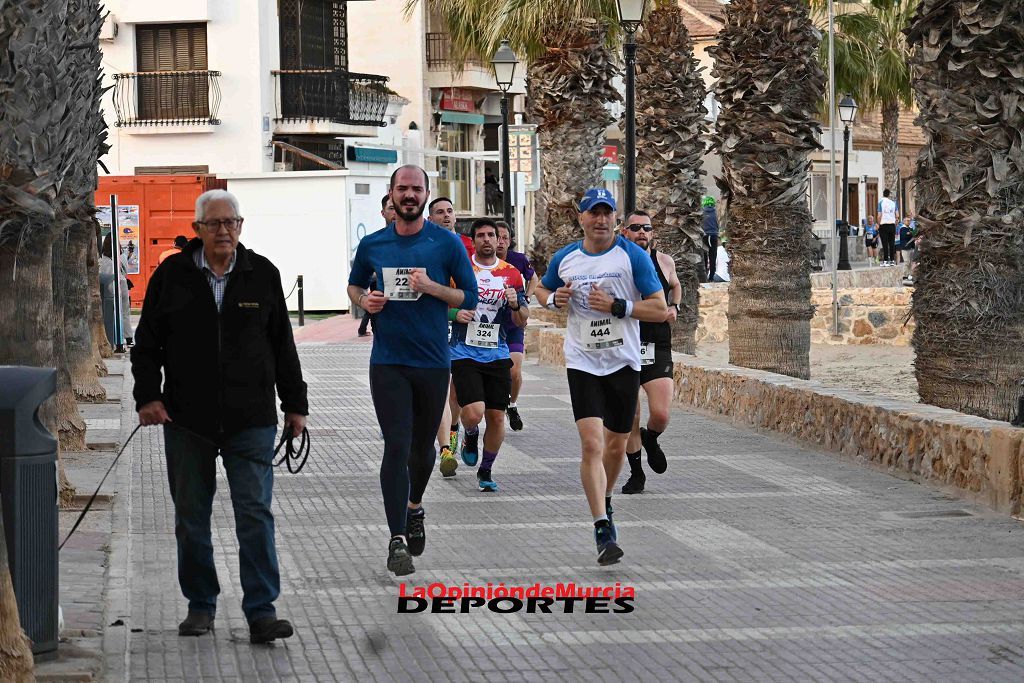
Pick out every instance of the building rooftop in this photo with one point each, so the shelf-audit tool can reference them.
(703, 18)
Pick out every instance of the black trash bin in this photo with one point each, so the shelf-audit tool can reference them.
(28, 487)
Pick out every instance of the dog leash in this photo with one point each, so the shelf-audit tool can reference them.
(294, 458)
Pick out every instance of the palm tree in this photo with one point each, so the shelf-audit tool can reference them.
(36, 139)
(34, 103)
(769, 85)
(84, 20)
(969, 295)
(671, 132)
(872, 64)
(15, 654)
(571, 66)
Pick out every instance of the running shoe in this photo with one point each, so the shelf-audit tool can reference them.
(608, 551)
(470, 453)
(487, 485)
(453, 441)
(449, 463)
(655, 456)
(399, 559)
(415, 532)
(635, 483)
(515, 423)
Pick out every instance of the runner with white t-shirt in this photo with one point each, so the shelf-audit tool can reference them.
(888, 217)
(609, 285)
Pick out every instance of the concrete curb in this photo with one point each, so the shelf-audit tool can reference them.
(979, 459)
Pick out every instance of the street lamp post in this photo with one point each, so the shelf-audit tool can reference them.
(504, 63)
(847, 112)
(631, 16)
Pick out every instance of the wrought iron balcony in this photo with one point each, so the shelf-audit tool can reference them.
(439, 47)
(331, 95)
(153, 98)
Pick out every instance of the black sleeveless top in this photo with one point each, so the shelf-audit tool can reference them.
(659, 333)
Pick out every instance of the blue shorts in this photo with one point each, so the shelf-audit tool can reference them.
(515, 337)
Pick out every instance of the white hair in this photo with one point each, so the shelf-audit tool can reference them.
(213, 196)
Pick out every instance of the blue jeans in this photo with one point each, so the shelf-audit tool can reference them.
(192, 474)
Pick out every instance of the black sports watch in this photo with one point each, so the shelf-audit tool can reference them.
(675, 306)
(619, 308)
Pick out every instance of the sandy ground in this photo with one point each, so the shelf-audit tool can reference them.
(884, 370)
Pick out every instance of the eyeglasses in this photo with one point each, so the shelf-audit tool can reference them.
(637, 227)
(232, 224)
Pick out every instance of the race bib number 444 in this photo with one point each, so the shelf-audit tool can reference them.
(604, 333)
(396, 284)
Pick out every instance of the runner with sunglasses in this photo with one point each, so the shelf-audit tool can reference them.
(655, 359)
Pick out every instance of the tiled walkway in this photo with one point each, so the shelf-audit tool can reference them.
(752, 560)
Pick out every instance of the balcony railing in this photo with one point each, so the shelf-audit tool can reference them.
(439, 53)
(153, 98)
(331, 95)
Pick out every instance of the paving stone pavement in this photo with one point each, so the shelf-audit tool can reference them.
(752, 560)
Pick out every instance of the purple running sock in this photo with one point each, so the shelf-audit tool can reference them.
(488, 460)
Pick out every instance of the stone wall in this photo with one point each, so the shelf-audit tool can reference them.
(982, 459)
(867, 315)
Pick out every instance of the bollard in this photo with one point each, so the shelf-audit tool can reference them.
(302, 312)
(28, 489)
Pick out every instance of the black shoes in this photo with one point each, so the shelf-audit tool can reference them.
(266, 629)
(655, 456)
(415, 532)
(635, 483)
(515, 423)
(196, 624)
(399, 559)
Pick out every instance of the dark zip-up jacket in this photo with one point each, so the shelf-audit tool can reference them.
(219, 369)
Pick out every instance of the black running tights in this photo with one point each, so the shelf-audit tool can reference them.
(888, 234)
(409, 402)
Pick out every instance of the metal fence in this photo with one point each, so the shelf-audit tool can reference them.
(145, 98)
(331, 95)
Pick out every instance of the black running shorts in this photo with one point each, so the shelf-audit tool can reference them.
(611, 397)
(488, 382)
(661, 367)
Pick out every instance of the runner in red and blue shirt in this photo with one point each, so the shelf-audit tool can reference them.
(516, 345)
(481, 366)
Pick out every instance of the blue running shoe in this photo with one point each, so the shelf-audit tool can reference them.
(470, 449)
(608, 551)
(487, 485)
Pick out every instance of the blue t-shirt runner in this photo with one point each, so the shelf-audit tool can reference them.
(414, 261)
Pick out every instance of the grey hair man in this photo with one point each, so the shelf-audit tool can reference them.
(213, 345)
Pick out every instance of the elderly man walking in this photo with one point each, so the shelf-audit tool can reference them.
(214, 321)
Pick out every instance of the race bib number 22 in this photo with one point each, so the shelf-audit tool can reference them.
(396, 284)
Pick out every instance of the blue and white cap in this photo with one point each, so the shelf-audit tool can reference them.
(595, 196)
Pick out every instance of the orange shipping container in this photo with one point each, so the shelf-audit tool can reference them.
(166, 208)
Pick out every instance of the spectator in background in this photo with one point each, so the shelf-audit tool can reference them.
(710, 234)
(107, 293)
(180, 242)
(871, 239)
(387, 212)
(722, 259)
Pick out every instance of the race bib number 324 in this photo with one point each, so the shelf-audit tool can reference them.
(396, 284)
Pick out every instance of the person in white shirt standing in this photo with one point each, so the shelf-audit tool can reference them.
(888, 217)
(609, 285)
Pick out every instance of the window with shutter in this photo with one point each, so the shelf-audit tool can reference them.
(173, 80)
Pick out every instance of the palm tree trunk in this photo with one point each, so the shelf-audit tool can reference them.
(671, 132)
(969, 287)
(570, 85)
(891, 147)
(70, 425)
(769, 85)
(77, 314)
(16, 661)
